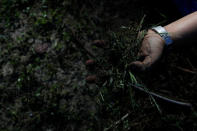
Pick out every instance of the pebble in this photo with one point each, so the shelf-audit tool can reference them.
(41, 48)
(7, 69)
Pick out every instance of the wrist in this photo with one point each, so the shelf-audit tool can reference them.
(164, 34)
(152, 33)
(174, 35)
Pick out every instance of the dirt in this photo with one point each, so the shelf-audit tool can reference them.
(44, 46)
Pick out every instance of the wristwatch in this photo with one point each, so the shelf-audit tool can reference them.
(164, 34)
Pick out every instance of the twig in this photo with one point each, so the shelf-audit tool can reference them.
(78, 42)
(163, 98)
(117, 122)
(137, 40)
(186, 70)
(190, 64)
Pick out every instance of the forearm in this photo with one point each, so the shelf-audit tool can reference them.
(184, 28)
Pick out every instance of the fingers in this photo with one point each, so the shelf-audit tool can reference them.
(142, 65)
(90, 62)
(99, 43)
(142, 55)
(91, 79)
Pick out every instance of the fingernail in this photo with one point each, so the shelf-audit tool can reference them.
(91, 79)
(99, 43)
(90, 62)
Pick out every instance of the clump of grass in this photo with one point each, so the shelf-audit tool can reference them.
(116, 97)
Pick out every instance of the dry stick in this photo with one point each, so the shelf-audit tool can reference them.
(117, 122)
(186, 70)
(78, 42)
(189, 62)
(138, 31)
(163, 98)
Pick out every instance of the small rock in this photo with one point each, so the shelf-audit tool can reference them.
(41, 48)
(38, 41)
(30, 41)
(7, 70)
(30, 114)
(24, 59)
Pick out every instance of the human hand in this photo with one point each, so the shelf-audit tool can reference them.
(151, 50)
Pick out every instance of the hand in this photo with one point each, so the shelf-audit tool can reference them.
(90, 64)
(151, 50)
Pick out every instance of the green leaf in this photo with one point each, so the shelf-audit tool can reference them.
(133, 79)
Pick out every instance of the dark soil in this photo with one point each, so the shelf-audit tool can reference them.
(44, 46)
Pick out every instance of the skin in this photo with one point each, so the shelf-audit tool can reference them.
(181, 31)
(152, 47)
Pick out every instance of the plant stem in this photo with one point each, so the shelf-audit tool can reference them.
(162, 97)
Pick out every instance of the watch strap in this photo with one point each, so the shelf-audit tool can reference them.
(164, 34)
